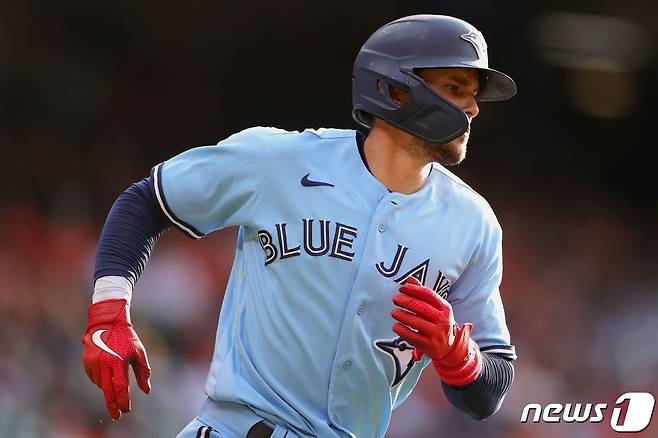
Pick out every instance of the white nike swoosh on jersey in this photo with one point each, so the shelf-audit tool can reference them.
(96, 339)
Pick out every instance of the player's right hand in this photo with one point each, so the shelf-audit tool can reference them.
(427, 321)
(110, 345)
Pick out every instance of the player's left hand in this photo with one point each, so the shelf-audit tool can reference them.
(110, 345)
(426, 320)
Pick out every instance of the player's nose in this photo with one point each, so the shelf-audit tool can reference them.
(470, 107)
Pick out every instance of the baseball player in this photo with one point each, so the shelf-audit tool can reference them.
(360, 259)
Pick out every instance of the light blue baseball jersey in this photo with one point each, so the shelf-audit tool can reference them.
(305, 334)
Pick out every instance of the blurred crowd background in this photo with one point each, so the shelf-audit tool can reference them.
(92, 94)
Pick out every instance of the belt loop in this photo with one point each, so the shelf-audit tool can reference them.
(282, 432)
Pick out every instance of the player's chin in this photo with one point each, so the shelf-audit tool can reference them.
(453, 153)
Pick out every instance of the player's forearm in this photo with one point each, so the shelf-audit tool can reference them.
(483, 397)
(131, 230)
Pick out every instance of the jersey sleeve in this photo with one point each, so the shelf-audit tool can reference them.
(475, 296)
(211, 187)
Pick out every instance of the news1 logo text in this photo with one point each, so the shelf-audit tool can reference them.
(632, 412)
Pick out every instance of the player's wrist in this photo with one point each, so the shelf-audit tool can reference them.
(112, 287)
(463, 363)
(467, 370)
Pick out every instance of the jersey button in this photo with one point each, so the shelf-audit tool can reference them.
(347, 365)
(381, 227)
(361, 309)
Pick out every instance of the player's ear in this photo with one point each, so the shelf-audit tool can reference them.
(398, 95)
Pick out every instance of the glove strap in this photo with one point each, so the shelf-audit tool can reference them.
(108, 312)
(463, 364)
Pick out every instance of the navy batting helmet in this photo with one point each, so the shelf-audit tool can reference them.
(391, 56)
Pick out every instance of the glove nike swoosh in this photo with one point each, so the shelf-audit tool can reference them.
(96, 339)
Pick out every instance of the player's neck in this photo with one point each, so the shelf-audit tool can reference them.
(399, 168)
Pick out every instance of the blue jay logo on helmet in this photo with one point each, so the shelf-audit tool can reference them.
(478, 42)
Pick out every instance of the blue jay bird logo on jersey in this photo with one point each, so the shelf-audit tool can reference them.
(399, 351)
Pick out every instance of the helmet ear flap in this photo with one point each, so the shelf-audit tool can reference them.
(395, 95)
(424, 113)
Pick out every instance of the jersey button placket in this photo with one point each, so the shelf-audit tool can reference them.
(343, 370)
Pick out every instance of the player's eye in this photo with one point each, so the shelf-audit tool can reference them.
(453, 89)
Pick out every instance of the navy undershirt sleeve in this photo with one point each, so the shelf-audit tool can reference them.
(483, 397)
(131, 230)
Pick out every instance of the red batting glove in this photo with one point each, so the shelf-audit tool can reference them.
(426, 321)
(110, 344)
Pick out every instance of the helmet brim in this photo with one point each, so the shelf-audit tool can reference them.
(497, 86)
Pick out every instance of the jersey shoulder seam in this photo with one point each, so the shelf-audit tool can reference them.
(455, 179)
(479, 200)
